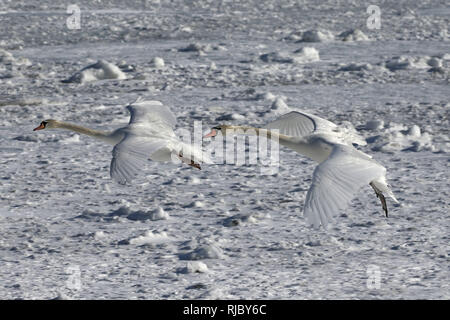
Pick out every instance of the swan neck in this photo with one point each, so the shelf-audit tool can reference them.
(298, 144)
(269, 134)
(101, 135)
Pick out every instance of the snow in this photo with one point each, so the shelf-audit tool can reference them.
(150, 238)
(209, 251)
(406, 62)
(226, 231)
(98, 71)
(300, 56)
(354, 35)
(398, 137)
(195, 267)
(317, 36)
(158, 62)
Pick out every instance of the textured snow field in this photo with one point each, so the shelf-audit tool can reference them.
(225, 232)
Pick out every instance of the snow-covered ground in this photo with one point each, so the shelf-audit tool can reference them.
(225, 232)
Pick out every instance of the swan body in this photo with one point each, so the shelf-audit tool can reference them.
(341, 171)
(148, 135)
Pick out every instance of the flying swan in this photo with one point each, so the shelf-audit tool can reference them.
(148, 135)
(342, 169)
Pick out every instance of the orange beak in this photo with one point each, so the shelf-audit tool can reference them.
(41, 126)
(213, 133)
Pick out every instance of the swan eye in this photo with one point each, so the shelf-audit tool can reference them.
(217, 128)
(44, 123)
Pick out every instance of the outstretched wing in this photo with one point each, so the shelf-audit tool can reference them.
(151, 113)
(299, 124)
(131, 154)
(336, 181)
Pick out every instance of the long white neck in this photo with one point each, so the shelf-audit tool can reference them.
(298, 144)
(105, 136)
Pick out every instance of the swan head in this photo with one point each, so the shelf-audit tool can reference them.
(47, 124)
(223, 129)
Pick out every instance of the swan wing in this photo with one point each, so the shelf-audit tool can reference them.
(131, 154)
(152, 114)
(194, 153)
(300, 124)
(336, 181)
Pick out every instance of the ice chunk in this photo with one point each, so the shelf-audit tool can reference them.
(98, 71)
(353, 35)
(317, 36)
(150, 238)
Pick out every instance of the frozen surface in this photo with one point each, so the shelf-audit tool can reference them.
(226, 232)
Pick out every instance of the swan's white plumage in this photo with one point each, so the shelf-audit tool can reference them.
(301, 124)
(336, 181)
(132, 153)
(342, 169)
(294, 124)
(151, 113)
(149, 135)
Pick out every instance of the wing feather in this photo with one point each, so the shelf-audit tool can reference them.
(300, 124)
(336, 181)
(151, 113)
(131, 154)
(295, 124)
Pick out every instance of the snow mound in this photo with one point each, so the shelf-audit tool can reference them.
(230, 117)
(196, 47)
(100, 70)
(354, 35)
(73, 139)
(150, 238)
(242, 219)
(195, 204)
(157, 62)
(353, 66)
(317, 36)
(268, 96)
(374, 125)
(7, 58)
(279, 107)
(398, 137)
(306, 54)
(209, 251)
(157, 214)
(279, 57)
(294, 35)
(300, 56)
(195, 267)
(407, 63)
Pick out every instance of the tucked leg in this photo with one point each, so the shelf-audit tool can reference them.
(190, 162)
(381, 197)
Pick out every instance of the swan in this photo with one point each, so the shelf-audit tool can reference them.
(148, 135)
(341, 171)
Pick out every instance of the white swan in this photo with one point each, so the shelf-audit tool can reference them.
(342, 169)
(148, 135)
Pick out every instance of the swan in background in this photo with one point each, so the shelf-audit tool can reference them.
(341, 171)
(148, 135)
